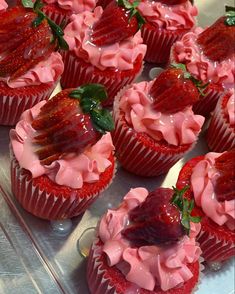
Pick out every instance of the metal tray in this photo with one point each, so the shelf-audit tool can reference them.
(38, 256)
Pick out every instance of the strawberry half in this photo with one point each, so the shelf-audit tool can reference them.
(71, 121)
(163, 218)
(173, 90)
(218, 41)
(225, 183)
(119, 21)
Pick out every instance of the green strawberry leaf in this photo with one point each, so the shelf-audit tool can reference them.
(230, 15)
(38, 20)
(103, 119)
(27, 3)
(37, 5)
(94, 91)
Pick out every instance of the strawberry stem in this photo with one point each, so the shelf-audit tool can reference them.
(185, 206)
(90, 97)
(230, 16)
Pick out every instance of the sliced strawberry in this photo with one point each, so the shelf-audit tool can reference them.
(164, 217)
(218, 41)
(109, 29)
(68, 123)
(225, 183)
(172, 92)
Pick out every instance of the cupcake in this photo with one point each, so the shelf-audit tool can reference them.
(29, 66)
(212, 184)
(146, 246)
(154, 123)
(166, 22)
(60, 10)
(103, 50)
(209, 56)
(221, 131)
(62, 157)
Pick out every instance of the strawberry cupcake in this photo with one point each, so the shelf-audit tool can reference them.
(146, 245)
(29, 66)
(166, 22)
(60, 10)
(221, 131)
(209, 56)
(211, 179)
(154, 123)
(103, 49)
(62, 157)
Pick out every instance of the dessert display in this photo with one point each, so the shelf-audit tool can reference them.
(166, 22)
(60, 11)
(146, 245)
(154, 123)
(104, 49)
(30, 67)
(212, 185)
(221, 131)
(209, 56)
(62, 157)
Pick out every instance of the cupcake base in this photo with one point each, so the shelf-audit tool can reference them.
(140, 154)
(220, 135)
(159, 43)
(14, 101)
(48, 200)
(103, 279)
(77, 72)
(217, 242)
(58, 15)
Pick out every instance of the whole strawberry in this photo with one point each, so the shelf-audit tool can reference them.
(163, 218)
(27, 36)
(70, 122)
(218, 41)
(174, 89)
(119, 21)
(225, 183)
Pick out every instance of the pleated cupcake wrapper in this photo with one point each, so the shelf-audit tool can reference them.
(215, 249)
(134, 156)
(13, 105)
(220, 135)
(77, 73)
(56, 16)
(99, 284)
(158, 44)
(48, 205)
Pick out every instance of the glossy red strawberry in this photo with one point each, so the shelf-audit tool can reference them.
(225, 183)
(164, 217)
(218, 41)
(172, 91)
(119, 21)
(70, 121)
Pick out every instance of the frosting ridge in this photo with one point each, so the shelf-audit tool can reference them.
(74, 6)
(3, 5)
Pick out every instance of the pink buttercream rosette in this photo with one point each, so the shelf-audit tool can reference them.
(139, 133)
(221, 132)
(116, 267)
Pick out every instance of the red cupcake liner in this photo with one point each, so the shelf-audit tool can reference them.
(47, 200)
(57, 14)
(13, 102)
(217, 242)
(140, 154)
(159, 43)
(103, 279)
(220, 135)
(78, 72)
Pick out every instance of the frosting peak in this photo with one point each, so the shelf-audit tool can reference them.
(146, 266)
(3, 5)
(74, 6)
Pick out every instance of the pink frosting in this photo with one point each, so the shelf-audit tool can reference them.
(230, 108)
(146, 266)
(203, 176)
(71, 170)
(176, 129)
(170, 17)
(46, 71)
(75, 6)
(121, 56)
(3, 5)
(187, 51)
